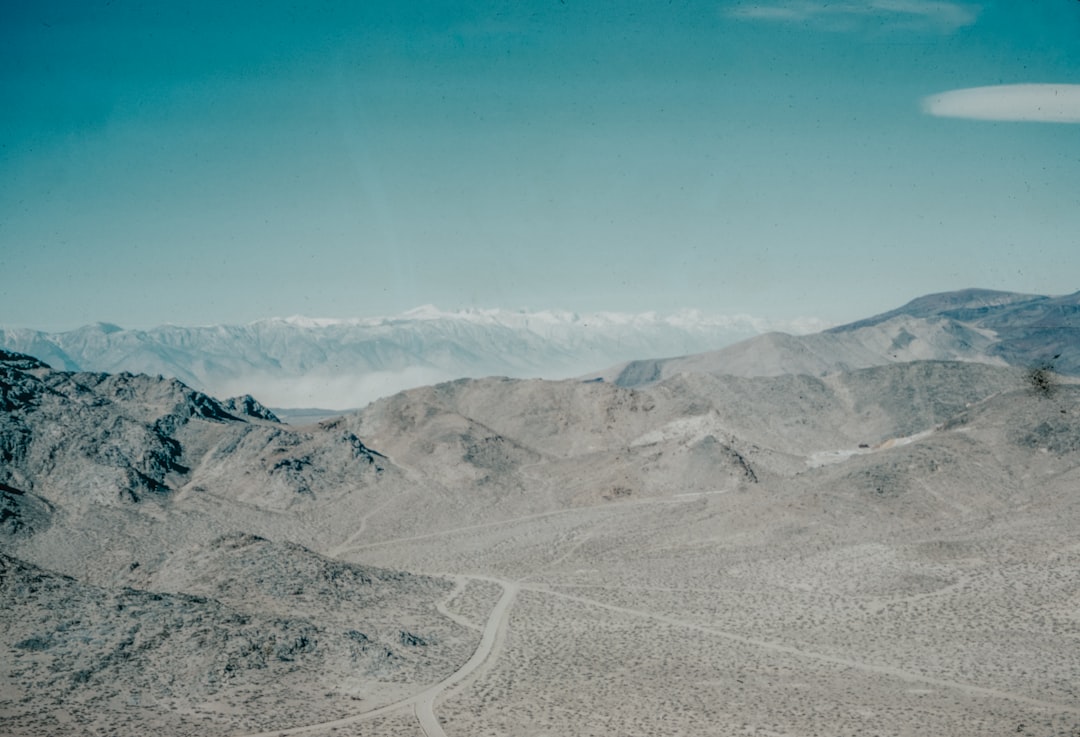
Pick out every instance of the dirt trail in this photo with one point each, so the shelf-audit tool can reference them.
(459, 586)
(360, 530)
(822, 657)
(423, 703)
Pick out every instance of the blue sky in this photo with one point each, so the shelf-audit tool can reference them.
(202, 162)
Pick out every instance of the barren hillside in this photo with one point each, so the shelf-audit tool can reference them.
(889, 550)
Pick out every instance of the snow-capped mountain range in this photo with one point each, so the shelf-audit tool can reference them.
(344, 363)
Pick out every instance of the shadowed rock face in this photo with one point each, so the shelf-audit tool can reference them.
(100, 436)
(1029, 330)
(127, 438)
(21, 361)
(249, 406)
(22, 514)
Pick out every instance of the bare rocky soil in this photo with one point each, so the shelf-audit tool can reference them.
(887, 551)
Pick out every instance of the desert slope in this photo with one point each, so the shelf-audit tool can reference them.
(888, 550)
(160, 610)
(980, 326)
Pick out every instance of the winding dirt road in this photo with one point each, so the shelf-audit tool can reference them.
(423, 703)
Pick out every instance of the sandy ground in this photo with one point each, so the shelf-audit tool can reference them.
(579, 560)
(643, 621)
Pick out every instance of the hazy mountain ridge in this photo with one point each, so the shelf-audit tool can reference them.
(298, 362)
(1029, 330)
(307, 362)
(980, 326)
(235, 574)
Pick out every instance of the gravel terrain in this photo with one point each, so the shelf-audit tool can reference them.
(887, 551)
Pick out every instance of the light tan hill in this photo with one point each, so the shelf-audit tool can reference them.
(884, 551)
(900, 339)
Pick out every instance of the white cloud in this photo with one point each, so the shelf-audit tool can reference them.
(912, 14)
(1046, 103)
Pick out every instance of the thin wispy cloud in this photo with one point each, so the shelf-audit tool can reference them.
(910, 14)
(1042, 103)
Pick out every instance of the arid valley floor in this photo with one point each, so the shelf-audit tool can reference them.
(886, 551)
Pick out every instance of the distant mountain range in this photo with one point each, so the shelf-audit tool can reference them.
(975, 325)
(305, 362)
(339, 364)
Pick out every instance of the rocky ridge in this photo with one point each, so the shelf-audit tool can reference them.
(973, 325)
(172, 562)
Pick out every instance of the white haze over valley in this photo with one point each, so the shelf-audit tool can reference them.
(336, 363)
(342, 391)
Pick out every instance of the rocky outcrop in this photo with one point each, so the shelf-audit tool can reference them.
(249, 406)
(22, 514)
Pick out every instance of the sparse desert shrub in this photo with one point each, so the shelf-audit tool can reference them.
(1042, 378)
